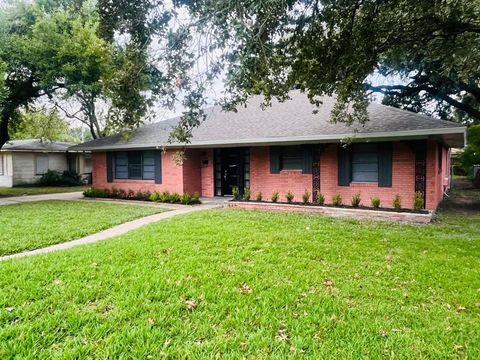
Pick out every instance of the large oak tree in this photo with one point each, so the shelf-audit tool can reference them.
(56, 50)
(426, 51)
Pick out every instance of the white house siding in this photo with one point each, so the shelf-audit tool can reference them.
(24, 166)
(6, 171)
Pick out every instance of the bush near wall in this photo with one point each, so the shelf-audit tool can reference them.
(164, 197)
(56, 178)
(337, 201)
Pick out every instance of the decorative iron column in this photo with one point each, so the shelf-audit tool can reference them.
(420, 150)
(317, 152)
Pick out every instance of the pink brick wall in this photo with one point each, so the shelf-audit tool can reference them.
(403, 179)
(207, 172)
(172, 176)
(437, 176)
(197, 175)
(262, 180)
(192, 181)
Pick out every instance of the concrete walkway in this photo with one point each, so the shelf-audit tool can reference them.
(114, 231)
(29, 198)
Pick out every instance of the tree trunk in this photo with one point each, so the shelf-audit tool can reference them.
(5, 116)
(3, 130)
(88, 105)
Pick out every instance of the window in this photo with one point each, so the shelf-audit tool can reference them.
(364, 163)
(41, 164)
(138, 165)
(292, 158)
(1, 165)
(298, 157)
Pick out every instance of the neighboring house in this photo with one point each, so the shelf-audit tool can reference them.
(290, 146)
(23, 162)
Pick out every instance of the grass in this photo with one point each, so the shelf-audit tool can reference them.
(33, 225)
(233, 284)
(38, 190)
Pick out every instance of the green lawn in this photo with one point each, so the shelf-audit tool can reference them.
(234, 283)
(37, 190)
(33, 225)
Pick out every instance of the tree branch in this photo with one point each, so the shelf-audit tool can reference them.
(404, 91)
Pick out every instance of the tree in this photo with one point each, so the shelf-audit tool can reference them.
(40, 125)
(82, 59)
(166, 68)
(53, 49)
(430, 48)
(471, 154)
(79, 135)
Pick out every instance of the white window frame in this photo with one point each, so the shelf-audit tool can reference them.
(2, 165)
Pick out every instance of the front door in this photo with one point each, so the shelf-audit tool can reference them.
(232, 170)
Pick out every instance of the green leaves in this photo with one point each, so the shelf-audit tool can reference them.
(430, 49)
(40, 125)
(471, 155)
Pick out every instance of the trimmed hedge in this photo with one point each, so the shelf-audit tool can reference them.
(164, 197)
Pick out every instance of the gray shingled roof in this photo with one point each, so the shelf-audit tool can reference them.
(36, 145)
(292, 121)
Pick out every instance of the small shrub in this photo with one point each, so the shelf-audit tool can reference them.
(337, 200)
(356, 200)
(320, 200)
(375, 202)
(70, 178)
(115, 193)
(122, 194)
(186, 199)
(146, 195)
(259, 196)
(305, 197)
(246, 194)
(195, 198)
(140, 195)
(235, 193)
(95, 193)
(397, 202)
(175, 198)
(418, 201)
(289, 196)
(275, 196)
(164, 197)
(155, 196)
(50, 178)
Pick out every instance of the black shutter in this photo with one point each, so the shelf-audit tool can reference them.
(158, 167)
(109, 167)
(385, 164)
(307, 159)
(344, 166)
(275, 152)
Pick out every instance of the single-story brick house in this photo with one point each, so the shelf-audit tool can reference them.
(290, 146)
